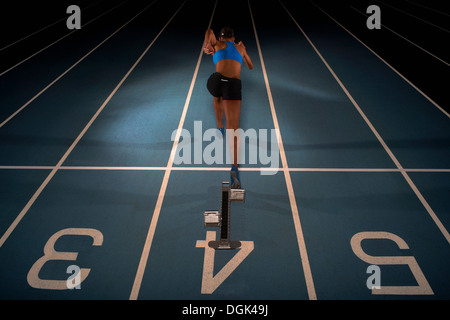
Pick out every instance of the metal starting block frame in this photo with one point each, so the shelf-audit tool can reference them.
(221, 218)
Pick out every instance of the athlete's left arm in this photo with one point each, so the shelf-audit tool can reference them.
(246, 57)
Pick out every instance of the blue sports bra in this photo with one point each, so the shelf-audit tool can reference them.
(230, 52)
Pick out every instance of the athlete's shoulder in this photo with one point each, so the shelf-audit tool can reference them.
(221, 44)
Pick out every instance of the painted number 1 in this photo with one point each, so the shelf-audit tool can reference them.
(422, 288)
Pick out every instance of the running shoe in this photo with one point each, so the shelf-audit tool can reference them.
(235, 181)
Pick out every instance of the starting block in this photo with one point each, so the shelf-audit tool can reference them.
(212, 219)
(222, 219)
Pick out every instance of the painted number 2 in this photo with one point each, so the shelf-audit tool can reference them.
(423, 288)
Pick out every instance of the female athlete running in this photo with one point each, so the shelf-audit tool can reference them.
(225, 86)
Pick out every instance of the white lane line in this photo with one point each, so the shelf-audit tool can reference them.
(418, 4)
(151, 231)
(287, 176)
(70, 68)
(378, 136)
(209, 168)
(386, 63)
(411, 42)
(51, 44)
(64, 157)
(27, 167)
(427, 170)
(415, 17)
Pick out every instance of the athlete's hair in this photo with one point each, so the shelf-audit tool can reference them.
(227, 32)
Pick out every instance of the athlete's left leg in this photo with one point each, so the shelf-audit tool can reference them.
(232, 114)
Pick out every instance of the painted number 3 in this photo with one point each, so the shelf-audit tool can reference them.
(51, 254)
(422, 288)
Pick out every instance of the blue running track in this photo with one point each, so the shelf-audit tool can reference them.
(88, 149)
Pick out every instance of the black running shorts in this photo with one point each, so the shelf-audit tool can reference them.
(227, 88)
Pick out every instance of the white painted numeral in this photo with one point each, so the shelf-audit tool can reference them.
(423, 288)
(50, 254)
(209, 282)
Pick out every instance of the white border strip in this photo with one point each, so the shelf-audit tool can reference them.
(64, 157)
(151, 231)
(287, 176)
(375, 132)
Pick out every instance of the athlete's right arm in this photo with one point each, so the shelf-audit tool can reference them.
(210, 42)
